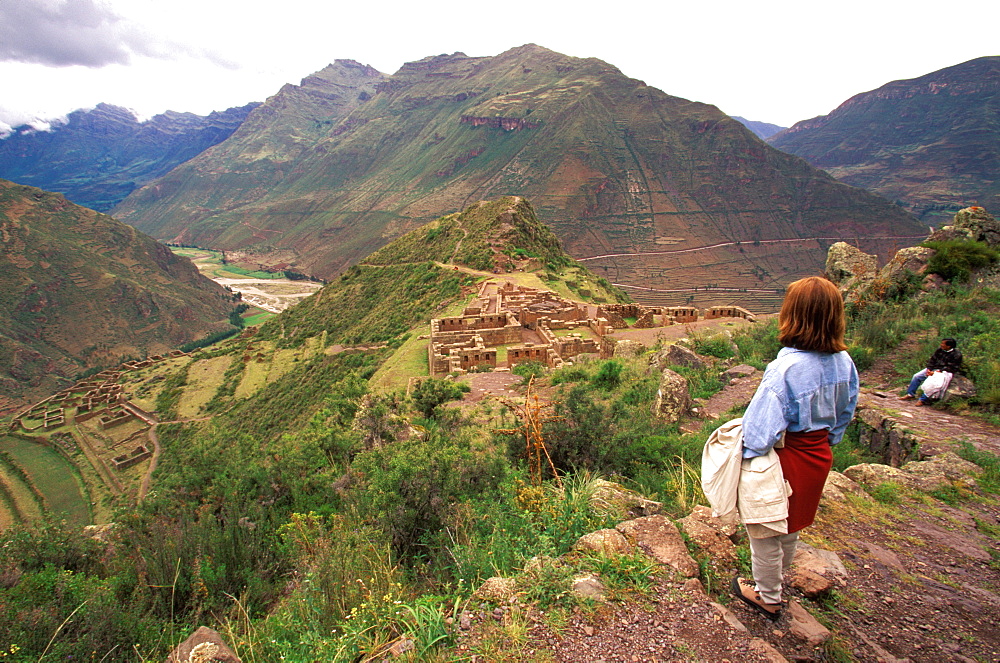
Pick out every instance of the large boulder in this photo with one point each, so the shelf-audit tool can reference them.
(614, 499)
(659, 538)
(911, 260)
(943, 470)
(676, 355)
(629, 348)
(673, 400)
(978, 224)
(711, 535)
(738, 372)
(606, 542)
(814, 571)
(204, 646)
(960, 387)
(838, 487)
(946, 467)
(849, 267)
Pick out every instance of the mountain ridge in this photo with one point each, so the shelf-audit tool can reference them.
(927, 143)
(98, 156)
(762, 130)
(613, 165)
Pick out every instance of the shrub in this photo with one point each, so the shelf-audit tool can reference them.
(718, 345)
(431, 393)
(608, 376)
(529, 369)
(955, 260)
(412, 487)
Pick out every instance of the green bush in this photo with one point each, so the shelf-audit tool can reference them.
(412, 487)
(608, 376)
(718, 345)
(955, 260)
(431, 393)
(497, 536)
(529, 369)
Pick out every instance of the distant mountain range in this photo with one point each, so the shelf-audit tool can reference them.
(930, 144)
(326, 172)
(761, 129)
(79, 289)
(99, 156)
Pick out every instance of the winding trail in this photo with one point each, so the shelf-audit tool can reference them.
(722, 244)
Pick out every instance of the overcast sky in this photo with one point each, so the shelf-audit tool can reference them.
(778, 61)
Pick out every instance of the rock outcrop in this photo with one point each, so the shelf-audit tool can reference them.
(853, 270)
(677, 355)
(673, 400)
(849, 267)
(203, 646)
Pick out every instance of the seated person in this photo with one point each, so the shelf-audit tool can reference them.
(945, 358)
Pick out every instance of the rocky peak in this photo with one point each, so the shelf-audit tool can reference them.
(977, 224)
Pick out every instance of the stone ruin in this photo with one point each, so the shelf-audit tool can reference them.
(100, 396)
(525, 321)
(137, 455)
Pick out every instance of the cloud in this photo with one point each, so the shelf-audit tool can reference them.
(62, 33)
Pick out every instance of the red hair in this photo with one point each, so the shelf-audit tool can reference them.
(812, 316)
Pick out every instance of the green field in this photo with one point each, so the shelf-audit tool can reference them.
(258, 318)
(54, 476)
(210, 264)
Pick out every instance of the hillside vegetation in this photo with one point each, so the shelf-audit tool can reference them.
(79, 290)
(310, 517)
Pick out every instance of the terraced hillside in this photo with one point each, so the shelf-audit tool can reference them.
(930, 144)
(613, 165)
(79, 289)
(96, 443)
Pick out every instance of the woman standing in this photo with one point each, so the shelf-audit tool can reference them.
(808, 393)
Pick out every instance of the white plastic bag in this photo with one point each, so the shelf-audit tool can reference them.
(936, 384)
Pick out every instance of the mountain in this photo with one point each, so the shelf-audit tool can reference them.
(101, 155)
(761, 129)
(931, 144)
(79, 289)
(616, 168)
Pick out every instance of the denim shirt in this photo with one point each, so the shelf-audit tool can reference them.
(801, 391)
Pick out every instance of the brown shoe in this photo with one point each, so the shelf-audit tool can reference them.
(920, 404)
(906, 397)
(746, 591)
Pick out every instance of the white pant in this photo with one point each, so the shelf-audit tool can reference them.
(770, 558)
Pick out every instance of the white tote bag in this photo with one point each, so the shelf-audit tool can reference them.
(936, 384)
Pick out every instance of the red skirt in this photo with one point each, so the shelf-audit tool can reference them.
(806, 460)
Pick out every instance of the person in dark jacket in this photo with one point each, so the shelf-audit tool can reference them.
(945, 358)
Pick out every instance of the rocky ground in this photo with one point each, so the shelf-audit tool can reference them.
(902, 565)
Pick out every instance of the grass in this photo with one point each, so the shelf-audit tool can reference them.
(18, 497)
(204, 379)
(409, 360)
(257, 319)
(272, 365)
(54, 477)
